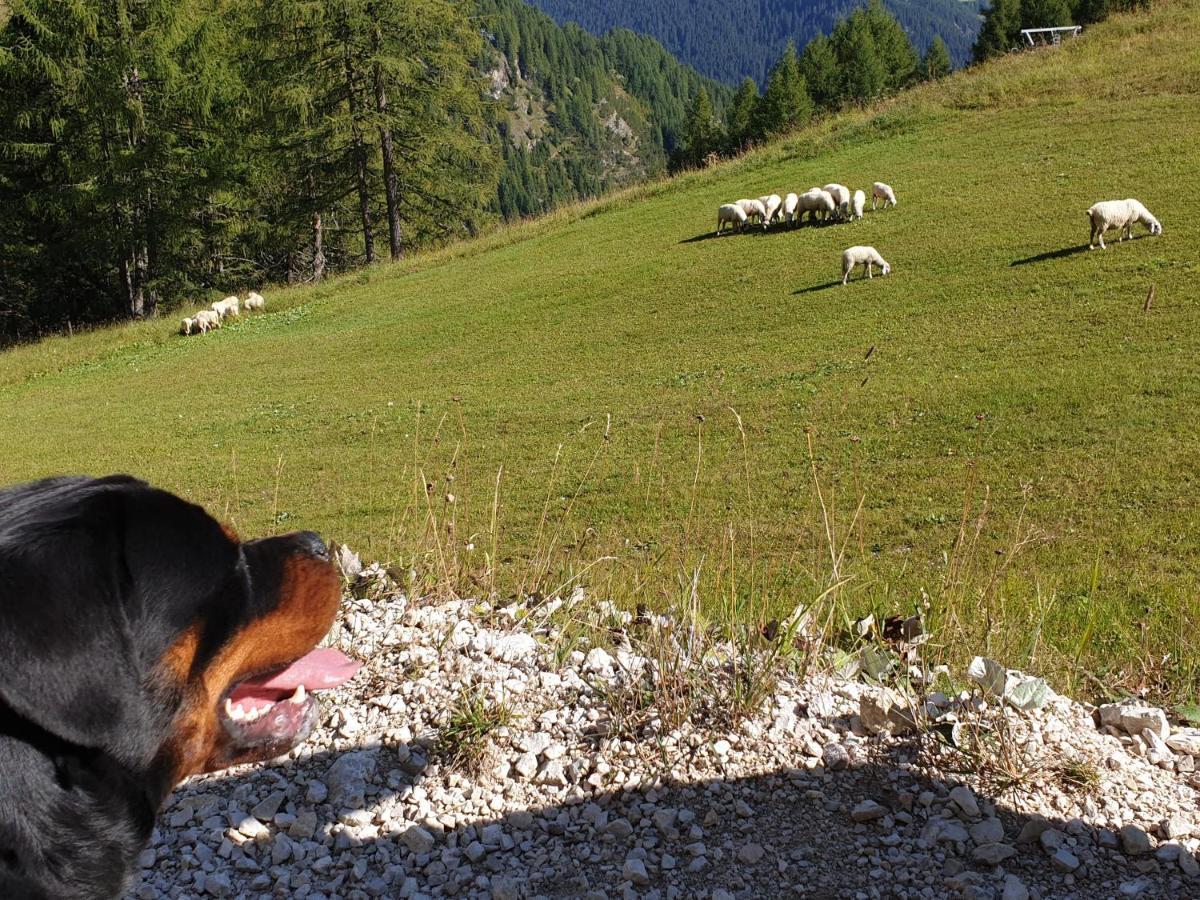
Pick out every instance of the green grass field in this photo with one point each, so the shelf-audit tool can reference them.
(999, 431)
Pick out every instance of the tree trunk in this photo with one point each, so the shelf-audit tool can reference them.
(127, 282)
(395, 236)
(135, 278)
(149, 254)
(318, 263)
(360, 160)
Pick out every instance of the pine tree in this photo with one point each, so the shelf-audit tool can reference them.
(864, 76)
(701, 134)
(743, 114)
(117, 133)
(1045, 13)
(893, 47)
(1000, 30)
(819, 65)
(1085, 12)
(785, 103)
(937, 60)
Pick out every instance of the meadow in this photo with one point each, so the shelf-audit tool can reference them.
(1000, 434)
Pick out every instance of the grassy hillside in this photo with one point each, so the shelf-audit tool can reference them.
(1017, 434)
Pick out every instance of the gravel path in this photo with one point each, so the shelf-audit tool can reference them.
(802, 801)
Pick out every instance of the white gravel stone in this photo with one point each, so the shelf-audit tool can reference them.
(635, 870)
(515, 647)
(962, 797)
(565, 801)
(868, 811)
(417, 839)
(1134, 840)
(347, 778)
(1064, 860)
(1014, 889)
(750, 854)
(526, 765)
(992, 854)
(1185, 740)
(988, 831)
(1133, 717)
(598, 662)
(1188, 864)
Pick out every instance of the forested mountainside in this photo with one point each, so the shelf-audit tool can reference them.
(156, 153)
(578, 114)
(732, 39)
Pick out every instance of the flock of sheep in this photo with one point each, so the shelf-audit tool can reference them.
(835, 203)
(832, 203)
(208, 319)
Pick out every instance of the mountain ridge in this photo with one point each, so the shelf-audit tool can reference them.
(699, 32)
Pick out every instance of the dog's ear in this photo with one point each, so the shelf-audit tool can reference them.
(95, 585)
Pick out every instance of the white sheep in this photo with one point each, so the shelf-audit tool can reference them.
(790, 204)
(772, 203)
(732, 215)
(858, 204)
(207, 319)
(841, 196)
(864, 256)
(884, 192)
(816, 203)
(186, 326)
(227, 307)
(1119, 214)
(754, 209)
(254, 300)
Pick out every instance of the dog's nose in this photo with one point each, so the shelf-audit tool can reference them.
(310, 542)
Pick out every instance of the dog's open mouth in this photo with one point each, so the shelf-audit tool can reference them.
(274, 711)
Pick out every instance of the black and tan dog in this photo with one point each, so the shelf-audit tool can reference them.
(140, 642)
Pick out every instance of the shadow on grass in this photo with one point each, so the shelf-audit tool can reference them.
(817, 287)
(1048, 255)
(755, 231)
(562, 843)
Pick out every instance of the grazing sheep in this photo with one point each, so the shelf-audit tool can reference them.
(1119, 214)
(790, 203)
(817, 203)
(186, 326)
(227, 307)
(754, 209)
(254, 301)
(857, 205)
(207, 319)
(864, 256)
(841, 196)
(732, 215)
(772, 202)
(884, 192)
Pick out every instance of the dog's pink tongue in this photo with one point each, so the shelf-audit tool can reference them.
(317, 670)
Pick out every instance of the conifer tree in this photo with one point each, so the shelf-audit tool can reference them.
(864, 76)
(937, 60)
(113, 123)
(785, 102)
(819, 66)
(1000, 30)
(1045, 13)
(742, 116)
(702, 133)
(893, 47)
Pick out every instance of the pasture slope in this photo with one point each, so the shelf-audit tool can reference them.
(1021, 434)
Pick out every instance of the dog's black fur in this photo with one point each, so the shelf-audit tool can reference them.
(98, 579)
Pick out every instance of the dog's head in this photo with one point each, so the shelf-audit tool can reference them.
(133, 624)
